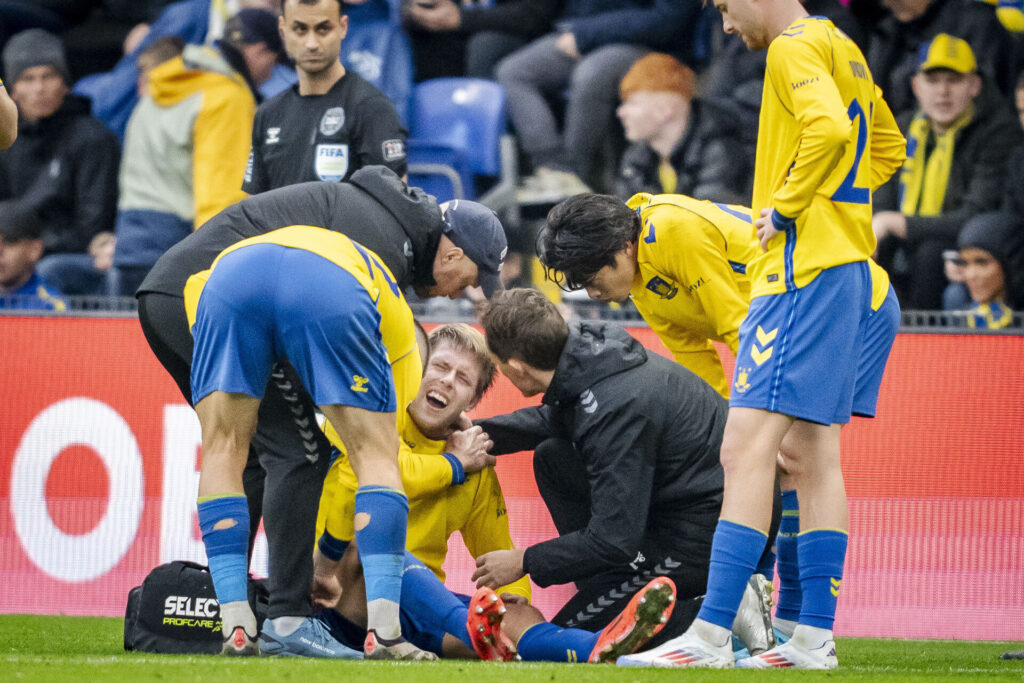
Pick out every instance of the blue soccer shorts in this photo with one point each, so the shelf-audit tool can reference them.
(267, 302)
(806, 353)
(880, 328)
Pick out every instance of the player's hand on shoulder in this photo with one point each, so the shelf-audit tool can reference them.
(471, 447)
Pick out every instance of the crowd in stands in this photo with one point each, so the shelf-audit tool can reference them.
(135, 119)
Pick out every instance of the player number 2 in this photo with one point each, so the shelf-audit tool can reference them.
(847, 191)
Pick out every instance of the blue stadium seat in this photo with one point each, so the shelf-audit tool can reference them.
(379, 51)
(459, 123)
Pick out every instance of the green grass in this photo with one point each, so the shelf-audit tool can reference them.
(38, 648)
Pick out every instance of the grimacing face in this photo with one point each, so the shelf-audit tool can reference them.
(448, 388)
(312, 34)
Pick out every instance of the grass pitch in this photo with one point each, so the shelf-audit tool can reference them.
(47, 648)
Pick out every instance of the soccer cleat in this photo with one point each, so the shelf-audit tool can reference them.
(753, 623)
(377, 647)
(1013, 654)
(646, 614)
(794, 655)
(687, 650)
(486, 610)
(240, 644)
(310, 639)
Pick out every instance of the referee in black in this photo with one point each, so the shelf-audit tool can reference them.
(332, 122)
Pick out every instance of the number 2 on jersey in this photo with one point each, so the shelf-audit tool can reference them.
(847, 191)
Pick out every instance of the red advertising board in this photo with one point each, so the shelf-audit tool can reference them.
(98, 456)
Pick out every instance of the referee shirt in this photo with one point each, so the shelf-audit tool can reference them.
(298, 138)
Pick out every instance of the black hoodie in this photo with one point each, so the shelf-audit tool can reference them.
(401, 224)
(649, 432)
(64, 168)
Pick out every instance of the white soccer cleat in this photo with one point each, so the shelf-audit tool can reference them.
(753, 623)
(795, 654)
(687, 650)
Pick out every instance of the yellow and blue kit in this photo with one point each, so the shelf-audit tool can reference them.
(438, 506)
(826, 140)
(691, 284)
(813, 338)
(255, 305)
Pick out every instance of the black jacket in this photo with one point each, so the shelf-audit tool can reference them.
(710, 161)
(374, 207)
(976, 178)
(649, 432)
(64, 168)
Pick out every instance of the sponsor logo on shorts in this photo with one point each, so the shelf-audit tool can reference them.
(393, 150)
(332, 121)
(359, 384)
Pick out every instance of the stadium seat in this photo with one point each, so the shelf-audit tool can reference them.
(379, 51)
(457, 127)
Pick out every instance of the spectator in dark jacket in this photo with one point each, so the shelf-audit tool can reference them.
(625, 454)
(64, 163)
(680, 144)
(469, 38)
(896, 41)
(594, 45)
(957, 147)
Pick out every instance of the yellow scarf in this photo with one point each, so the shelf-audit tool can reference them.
(923, 179)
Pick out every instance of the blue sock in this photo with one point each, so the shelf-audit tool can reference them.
(734, 554)
(546, 642)
(430, 610)
(790, 595)
(766, 565)
(226, 549)
(382, 541)
(821, 553)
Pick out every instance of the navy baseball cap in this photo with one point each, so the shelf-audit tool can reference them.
(477, 231)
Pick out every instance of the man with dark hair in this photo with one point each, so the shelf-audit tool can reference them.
(63, 165)
(682, 261)
(254, 33)
(332, 122)
(626, 458)
(437, 251)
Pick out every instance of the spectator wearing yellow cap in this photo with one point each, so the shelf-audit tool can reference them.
(679, 144)
(958, 142)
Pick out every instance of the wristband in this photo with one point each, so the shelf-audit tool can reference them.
(458, 471)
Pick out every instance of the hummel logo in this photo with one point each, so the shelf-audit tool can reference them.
(273, 136)
(359, 384)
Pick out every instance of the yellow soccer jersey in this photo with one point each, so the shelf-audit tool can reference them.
(476, 508)
(691, 284)
(826, 139)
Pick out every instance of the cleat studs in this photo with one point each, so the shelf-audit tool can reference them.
(479, 610)
(663, 619)
(643, 600)
(492, 598)
(480, 628)
(501, 610)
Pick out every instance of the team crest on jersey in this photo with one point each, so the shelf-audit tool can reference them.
(742, 383)
(393, 150)
(663, 289)
(332, 121)
(273, 136)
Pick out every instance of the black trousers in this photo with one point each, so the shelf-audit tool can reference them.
(288, 457)
(562, 481)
